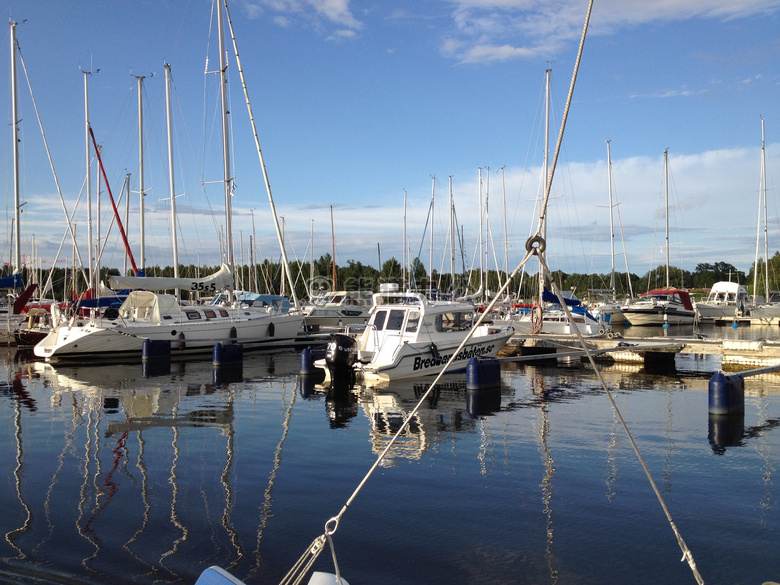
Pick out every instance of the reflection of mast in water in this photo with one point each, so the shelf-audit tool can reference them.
(139, 463)
(537, 387)
(13, 534)
(765, 451)
(547, 489)
(611, 459)
(668, 461)
(265, 509)
(173, 480)
(81, 524)
(224, 479)
(69, 440)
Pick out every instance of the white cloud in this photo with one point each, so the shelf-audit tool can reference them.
(538, 27)
(287, 11)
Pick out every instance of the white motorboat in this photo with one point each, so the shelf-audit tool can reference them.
(409, 335)
(661, 306)
(726, 300)
(154, 316)
(339, 308)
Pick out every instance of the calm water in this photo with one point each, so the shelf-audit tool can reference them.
(109, 476)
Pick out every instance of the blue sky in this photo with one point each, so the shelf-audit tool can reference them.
(359, 102)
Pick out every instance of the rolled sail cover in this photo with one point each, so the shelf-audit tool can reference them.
(221, 279)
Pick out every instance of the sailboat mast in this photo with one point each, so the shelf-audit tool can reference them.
(666, 184)
(333, 244)
(15, 123)
(430, 252)
(611, 223)
(452, 242)
(506, 234)
(286, 264)
(141, 169)
(311, 264)
(763, 190)
(481, 245)
(403, 255)
(545, 169)
(88, 186)
(170, 172)
(225, 140)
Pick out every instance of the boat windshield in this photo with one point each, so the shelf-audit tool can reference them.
(458, 321)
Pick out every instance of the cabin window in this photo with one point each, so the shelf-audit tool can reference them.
(223, 313)
(413, 321)
(379, 320)
(210, 314)
(396, 320)
(453, 321)
(192, 315)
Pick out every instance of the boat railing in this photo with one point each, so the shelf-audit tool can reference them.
(406, 298)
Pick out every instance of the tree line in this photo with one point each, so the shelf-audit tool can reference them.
(318, 277)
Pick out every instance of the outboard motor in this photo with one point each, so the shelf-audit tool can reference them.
(340, 357)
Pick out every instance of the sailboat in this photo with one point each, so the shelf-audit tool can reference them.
(548, 315)
(667, 305)
(769, 310)
(164, 317)
(609, 309)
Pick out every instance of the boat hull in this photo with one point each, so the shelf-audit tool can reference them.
(108, 340)
(658, 316)
(424, 359)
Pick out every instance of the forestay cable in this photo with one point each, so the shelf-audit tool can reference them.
(535, 246)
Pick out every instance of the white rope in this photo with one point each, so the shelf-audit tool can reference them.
(535, 246)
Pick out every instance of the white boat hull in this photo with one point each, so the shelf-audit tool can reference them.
(417, 359)
(658, 317)
(105, 339)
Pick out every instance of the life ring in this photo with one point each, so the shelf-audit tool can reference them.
(536, 319)
(535, 249)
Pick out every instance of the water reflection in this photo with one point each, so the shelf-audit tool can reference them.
(121, 476)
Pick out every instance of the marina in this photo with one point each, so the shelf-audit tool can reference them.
(207, 415)
(116, 473)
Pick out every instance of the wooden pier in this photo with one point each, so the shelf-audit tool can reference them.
(736, 355)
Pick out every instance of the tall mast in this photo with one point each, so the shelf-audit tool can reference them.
(225, 140)
(172, 190)
(545, 167)
(141, 169)
(611, 224)
(481, 243)
(430, 253)
(15, 123)
(666, 183)
(333, 244)
(506, 235)
(763, 191)
(311, 264)
(403, 256)
(286, 264)
(88, 186)
(452, 241)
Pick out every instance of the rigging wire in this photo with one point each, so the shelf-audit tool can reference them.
(535, 246)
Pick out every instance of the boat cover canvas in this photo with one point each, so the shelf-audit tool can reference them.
(223, 278)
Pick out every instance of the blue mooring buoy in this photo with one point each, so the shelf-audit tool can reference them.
(727, 394)
(734, 324)
(308, 357)
(153, 349)
(232, 353)
(483, 373)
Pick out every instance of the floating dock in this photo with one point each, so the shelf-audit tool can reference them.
(735, 354)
